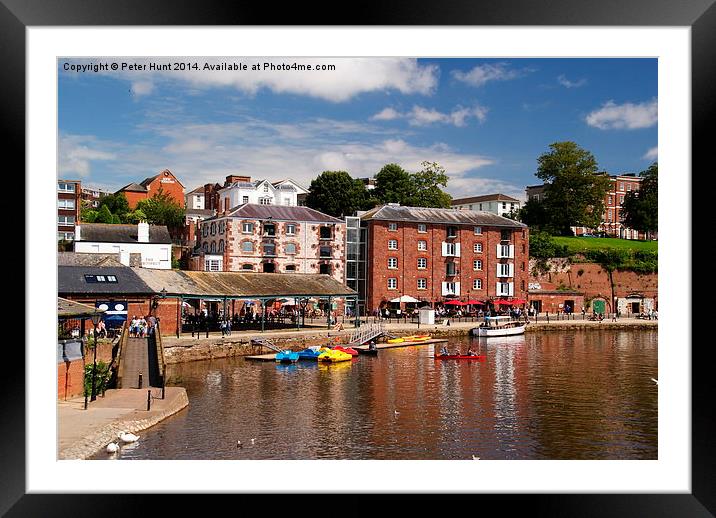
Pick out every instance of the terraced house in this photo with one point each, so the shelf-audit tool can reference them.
(271, 239)
(435, 255)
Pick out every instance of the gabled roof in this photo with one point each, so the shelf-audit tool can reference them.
(109, 233)
(199, 189)
(239, 284)
(486, 197)
(397, 212)
(69, 309)
(71, 280)
(133, 187)
(296, 184)
(149, 180)
(87, 259)
(279, 213)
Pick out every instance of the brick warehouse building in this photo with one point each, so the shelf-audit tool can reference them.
(435, 255)
(271, 239)
(170, 184)
(68, 208)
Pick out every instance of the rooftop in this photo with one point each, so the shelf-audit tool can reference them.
(486, 197)
(70, 308)
(109, 233)
(88, 259)
(395, 212)
(279, 213)
(82, 280)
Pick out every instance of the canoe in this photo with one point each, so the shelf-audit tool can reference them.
(286, 357)
(348, 350)
(419, 338)
(480, 358)
(396, 340)
(369, 352)
(334, 356)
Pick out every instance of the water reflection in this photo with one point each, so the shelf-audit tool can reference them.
(580, 395)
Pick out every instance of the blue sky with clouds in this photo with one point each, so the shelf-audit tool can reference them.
(485, 120)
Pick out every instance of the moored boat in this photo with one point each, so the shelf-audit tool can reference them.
(309, 354)
(368, 352)
(348, 350)
(416, 338)
(286, 356)
(396, 340)
(499, 326)
(334, 356)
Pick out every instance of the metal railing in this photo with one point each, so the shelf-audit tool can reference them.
(120, 348)
(366, 333)
(160, 356)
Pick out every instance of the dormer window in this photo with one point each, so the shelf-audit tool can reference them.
(266, 188)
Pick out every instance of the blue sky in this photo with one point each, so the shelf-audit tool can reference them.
(484, 120)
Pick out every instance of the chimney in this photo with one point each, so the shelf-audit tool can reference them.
(143, 232)
(77, 233)
(124, 257)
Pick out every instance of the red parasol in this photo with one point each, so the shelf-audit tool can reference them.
(475, 302)
(453, 303)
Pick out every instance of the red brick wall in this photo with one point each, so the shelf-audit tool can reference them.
(134, 197)
(70, 374)
(169, 184)
(407, 273)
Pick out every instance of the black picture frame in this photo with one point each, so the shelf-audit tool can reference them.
(700, 15)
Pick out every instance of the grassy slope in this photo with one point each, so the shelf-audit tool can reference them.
(577, 244)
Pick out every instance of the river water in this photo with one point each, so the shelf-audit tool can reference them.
(547, 395)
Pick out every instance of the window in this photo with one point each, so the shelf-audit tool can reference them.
(221, 246)
(422, 245)
(66, 236)
(222, 226)
(451, 249)
(290, 229)
(392, 263)
(269, 229)
(325, 233)
(247, 228)
(213, 229)
(325, 251)
(628, 187)
(478, 230)
(422, 263)
(610, 216)
(451, 269)
(504, 205)
(90, 278)
(392, 283)
(66, 187)
(205, 230)
(66, 204)
(269, 249)
(451, 232)
(247, 267)
(244, 199)
(247, 247)
(451, 288)
(621, 199)
(213, 247)
(477, 264)
(422, 228)
(265, 201)
(505, 251)
(481, 204)
(290, 267)
(621, 186)
(610, 200)
(422, 284)
(324, 268)
(290, 248)
(505, 270)
(392, 244)
(266, 187)
(212, 265)
(477, 248)
(392, 227)
(477, 284)
(504, 288)
(205, 247)
(505, 235)
(66, 220)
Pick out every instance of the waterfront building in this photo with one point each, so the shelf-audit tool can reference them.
(271, 239)
(612, 216)
(91, 196)
(499, 204)
(239, 190)
(152, 242)
(68, 208)
(165, 180)
(436, 255)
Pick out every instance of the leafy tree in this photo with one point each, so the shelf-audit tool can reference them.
(135, 217)
(533, 214)
(640, 209)
(161, 209)
(116, 203)
(574, 189)
(426, 187)
(88, 215)
(337, 194)
(393, 185)
(104, 215)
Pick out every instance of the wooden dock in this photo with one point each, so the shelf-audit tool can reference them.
(272, 356)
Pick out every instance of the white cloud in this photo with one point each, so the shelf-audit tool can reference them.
(571, 84)
(351, 77)
(624, 116)
(483, 74)
(77, 152)
(651, 154)
(420, 116)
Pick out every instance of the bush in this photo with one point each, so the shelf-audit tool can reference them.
(103, 375)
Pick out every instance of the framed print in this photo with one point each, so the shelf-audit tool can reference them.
(61, 92)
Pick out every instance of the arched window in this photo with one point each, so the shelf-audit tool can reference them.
(213, 229)
(205, 247)
(221, 245)
(247, 247)
(290, 248)
(213, 247)
(247, 267)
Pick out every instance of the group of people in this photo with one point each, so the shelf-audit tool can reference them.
(444, 351)
(140, 327)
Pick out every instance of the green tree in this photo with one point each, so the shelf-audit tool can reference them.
(116, 203)
(134, 217)
(640, 209)
(393, 185)
(426, 191)
(533, 214)
(337, 194)
(161, 209)
(574, 189)
(104, 215)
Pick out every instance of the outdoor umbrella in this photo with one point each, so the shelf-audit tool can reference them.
(453, 303)
(405, 298)
(475, 302)
(519, 301)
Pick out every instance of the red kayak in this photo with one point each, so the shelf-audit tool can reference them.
(480, 358)
(348, 350)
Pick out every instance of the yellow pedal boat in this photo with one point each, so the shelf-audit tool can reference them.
(334, 356)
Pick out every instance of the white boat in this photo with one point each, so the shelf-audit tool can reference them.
(499, 326)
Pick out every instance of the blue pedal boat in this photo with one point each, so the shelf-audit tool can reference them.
(309, 354)
(287, 357)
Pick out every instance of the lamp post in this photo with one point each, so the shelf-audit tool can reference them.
(95, 320)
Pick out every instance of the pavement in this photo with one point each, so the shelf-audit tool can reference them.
(82, 433)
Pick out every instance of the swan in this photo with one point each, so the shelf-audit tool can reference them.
(112, 447)
(239, 445)
(475, 457)
(127, 437)
(655, 381)
(253, 441)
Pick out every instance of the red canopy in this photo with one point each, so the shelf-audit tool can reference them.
(453, 303)
(475, 302)
(519, 301)
(502, 302)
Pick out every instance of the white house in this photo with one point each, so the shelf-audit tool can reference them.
(499, 204)
(151, 241)
(261, 192)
